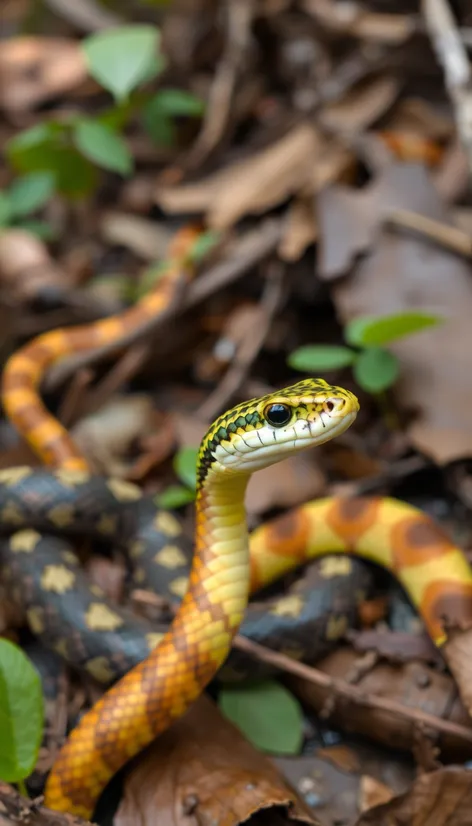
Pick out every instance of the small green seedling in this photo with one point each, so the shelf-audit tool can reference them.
(122, 61)
(375, 369)
(24, 197)
(21, 715)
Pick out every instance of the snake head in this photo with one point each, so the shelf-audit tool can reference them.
(263, 431)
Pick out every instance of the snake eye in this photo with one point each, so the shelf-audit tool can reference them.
(278, 414)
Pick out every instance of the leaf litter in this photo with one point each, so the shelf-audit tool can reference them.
(326, 143)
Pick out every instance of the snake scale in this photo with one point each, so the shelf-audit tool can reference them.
(40, 508)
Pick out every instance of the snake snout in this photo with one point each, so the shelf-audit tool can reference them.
(336, 406)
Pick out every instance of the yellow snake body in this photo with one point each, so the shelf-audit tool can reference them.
(156, 692)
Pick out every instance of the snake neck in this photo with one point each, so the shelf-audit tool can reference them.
(219, 579)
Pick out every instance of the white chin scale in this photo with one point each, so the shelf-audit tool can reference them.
(262, 447)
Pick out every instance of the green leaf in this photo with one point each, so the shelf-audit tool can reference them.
(122, 58)
(376, 331)
(76, 177)
(314, 357)
(169, 103)
(36, 148)
(178, 102)
(375, 370)
(175, 496)
(158, 124)
(185, 466)
(5, 209)
(21, 713)
(30, 192)
(267, 714)
(103, 146)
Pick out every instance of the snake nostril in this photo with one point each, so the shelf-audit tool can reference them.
(334, 405)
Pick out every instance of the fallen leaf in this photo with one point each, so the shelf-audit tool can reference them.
(147, 239)
(340, 756)
(361, 106)
(441, 798)
(301, 161)
(353, 20)
(202, 770)
(373, 793)
(300, 230)
(406, 272)
(417, 115)
(36, 69)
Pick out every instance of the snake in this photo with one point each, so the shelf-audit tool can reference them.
(227, 564)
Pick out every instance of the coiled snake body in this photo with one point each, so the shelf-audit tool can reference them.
(251, 436)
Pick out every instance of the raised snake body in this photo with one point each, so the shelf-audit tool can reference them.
(251, 436)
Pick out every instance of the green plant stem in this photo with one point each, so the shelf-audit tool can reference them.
(22, 787)
(387, 410)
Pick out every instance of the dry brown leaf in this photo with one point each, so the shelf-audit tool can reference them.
(26, 267)
(202, 770)
(341, 756)
(300, 161)
(417, 115)
(35, 69)
(353, 20)
(441, 798)
(372, 793)
(105, 437)
(361, 106)
(144, 237)
(406, 272)
(300, 230)
(295, 480)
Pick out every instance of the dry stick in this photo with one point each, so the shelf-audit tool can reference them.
(341, 689)
(245, 253)
(452, 238)
(123, 371)
(68, 409)
(452, 55)
(87, 15)
(239, 15)
(249, 349)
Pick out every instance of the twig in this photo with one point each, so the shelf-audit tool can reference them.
(86, 15)
(452, 55)
(239, 14)
(122, 372)
(249, 348)
(452, 238)
(341, 690)
(69, 407)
